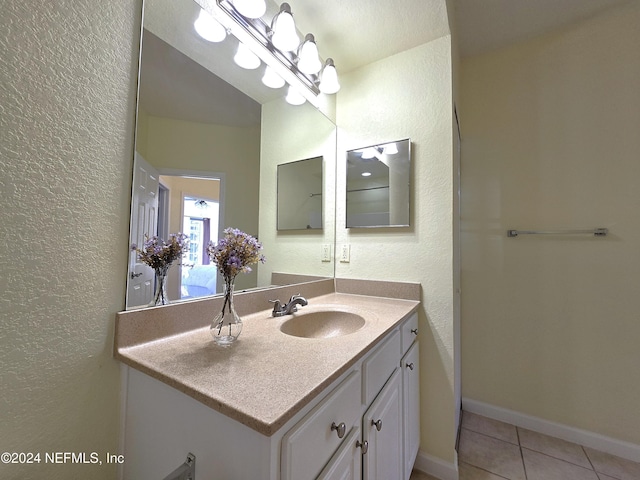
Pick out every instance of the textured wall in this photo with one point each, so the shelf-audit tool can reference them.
(67, 101)
(550, 140)
(409, 96)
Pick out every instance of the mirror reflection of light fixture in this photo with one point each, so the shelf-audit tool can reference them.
(285, 37)
(329, 78)
(390, 149)
(369, 153)
(366, 174)
(250, 8)
(208, 28)
(245, 58)
(293, 97)
(308, 57)
(201, 204)
(271, 79)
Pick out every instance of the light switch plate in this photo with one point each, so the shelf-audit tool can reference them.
(345, 253)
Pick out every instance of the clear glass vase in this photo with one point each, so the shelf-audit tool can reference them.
(227, 325)
(160, 294)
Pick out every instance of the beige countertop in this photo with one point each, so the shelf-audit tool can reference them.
(267, 376)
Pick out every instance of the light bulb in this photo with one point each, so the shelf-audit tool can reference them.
(366, 174)
(285, 37)
(308, 58)
(329, 78)
(209, 28)
(368, 153)
(293, 97)
(246, 58)
(271, 79)
(250, 8)
(390, 149)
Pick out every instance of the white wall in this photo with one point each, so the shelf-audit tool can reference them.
(66, 150)
(409, 95)
(550, 140)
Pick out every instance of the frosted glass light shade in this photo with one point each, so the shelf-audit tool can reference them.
(368, 153)
(329, 78)
(250, 8)
(208, 27)
(308, 58)
(271, 79)
(245, 58)
(293, 97)
(390, 149)
(285, 37)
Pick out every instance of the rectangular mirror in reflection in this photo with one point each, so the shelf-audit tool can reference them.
(378, 184)
(300, 195)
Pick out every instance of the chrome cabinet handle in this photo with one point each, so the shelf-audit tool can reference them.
(414, 331)
(135, 275)
(410, 366)
(340, 429)
(377, 424)
(364, 446)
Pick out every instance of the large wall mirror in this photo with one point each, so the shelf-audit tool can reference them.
(378, 185)
(209, 136)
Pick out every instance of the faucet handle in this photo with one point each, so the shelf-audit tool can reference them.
(277, 308)
(293, 297)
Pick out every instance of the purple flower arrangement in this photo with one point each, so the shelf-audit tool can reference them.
(160, 254)
(234, 253)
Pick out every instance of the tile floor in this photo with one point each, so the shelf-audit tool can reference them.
(493, 450)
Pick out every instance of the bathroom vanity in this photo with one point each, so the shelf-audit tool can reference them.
(274, 405)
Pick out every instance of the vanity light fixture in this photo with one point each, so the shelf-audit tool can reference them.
(329, 78)
(278, 46)
(250, 8)
(369, 153)
(293, 97)
(245, 58)
(208, 28)
(271, 79)
(308, 57)
(283, 30)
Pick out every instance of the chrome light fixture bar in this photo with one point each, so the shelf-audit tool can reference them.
(257, 35)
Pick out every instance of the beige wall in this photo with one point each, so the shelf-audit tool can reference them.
(409, 95)
(198, 147)
(291, 133)
(550, 140)
(66, 150)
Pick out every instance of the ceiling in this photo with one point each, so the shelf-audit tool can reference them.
(354, 33)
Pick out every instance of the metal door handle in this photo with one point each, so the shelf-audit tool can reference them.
(340, 429)
(364, 446)
(414, 331)
(410, 366)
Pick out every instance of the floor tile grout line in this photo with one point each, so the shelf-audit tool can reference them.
(484, 469)
(490, 436)
(558, 458)
(524, 466)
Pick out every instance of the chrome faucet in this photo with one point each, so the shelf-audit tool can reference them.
(280, 310)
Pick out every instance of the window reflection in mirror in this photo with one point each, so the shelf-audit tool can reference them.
(378, 184)
(300, 195)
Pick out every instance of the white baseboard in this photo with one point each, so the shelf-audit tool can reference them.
(436, 467)
(586, 438)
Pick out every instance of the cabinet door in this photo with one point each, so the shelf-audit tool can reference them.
(346, 464)
(382, 429)
(411, 407)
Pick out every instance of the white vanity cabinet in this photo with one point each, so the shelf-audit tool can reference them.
(363, 426)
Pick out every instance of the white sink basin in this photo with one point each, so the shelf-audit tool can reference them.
(322, 323)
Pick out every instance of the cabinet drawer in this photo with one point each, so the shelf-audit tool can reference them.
(409, 330)
(377, 369)
(309, 445)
